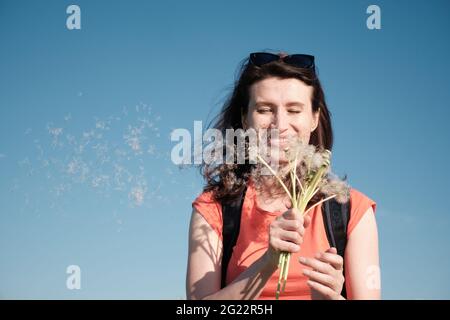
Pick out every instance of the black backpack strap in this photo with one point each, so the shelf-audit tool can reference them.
(335, 219)
(231, 216)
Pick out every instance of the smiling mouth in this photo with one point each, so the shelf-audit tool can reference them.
(282, 143)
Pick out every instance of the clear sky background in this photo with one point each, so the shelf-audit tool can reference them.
(86, 115)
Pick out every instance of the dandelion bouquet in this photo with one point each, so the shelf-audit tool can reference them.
(307, 180)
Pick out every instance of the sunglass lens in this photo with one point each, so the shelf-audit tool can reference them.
(300, 60)
(260, 58)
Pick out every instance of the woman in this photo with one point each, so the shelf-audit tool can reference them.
(282, 92)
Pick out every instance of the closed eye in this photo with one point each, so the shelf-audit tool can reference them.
(264, 110)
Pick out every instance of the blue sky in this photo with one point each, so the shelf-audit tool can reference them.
(86, 116)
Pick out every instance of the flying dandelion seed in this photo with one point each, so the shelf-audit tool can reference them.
(134, 144)
(45, 163)
(134, 138)
(88, 135)
(122, 176)
(79, 149)
(55, 131)
(24, 162)
(72, 167)
(119, 153)
(100, 181)
(137, 195)
(102, 125)
(151, 150)
(60, 190)
(70, 139)
(98, 159)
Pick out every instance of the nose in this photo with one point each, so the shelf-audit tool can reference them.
(280, 121)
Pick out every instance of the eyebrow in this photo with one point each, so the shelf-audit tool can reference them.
(289, 104)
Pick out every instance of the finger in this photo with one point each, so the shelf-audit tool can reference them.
(324, 290)
(334, 259)
(322, 278)
(292, 225)
(287, 246)
(291, 236)
(316, 265)
(332, 250)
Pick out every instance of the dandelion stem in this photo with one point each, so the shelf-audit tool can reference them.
(299, 182)
(294, 194)
(276, 176)
(315, 182)
(313, 194)
(286, 270)
(321, 201)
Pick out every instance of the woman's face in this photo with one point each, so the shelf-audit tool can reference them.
(283, 104)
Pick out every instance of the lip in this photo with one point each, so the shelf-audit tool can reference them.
(279, 142)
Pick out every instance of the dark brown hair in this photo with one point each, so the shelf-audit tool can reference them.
(227, 180)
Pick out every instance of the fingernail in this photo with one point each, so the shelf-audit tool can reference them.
(302, 259)
(306, 272)
(317, 255)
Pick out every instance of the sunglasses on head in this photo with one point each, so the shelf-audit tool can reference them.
(305, 61)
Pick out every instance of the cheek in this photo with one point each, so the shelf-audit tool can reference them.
(303, 129)
(258, 121)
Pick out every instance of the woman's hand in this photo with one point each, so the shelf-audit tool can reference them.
(286, 234)
(326, 279)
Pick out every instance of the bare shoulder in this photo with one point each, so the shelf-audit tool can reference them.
(204, 258)
(362, 270)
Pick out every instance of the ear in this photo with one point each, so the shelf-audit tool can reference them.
(316, 116)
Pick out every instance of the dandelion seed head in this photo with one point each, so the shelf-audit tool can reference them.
(317, 161)
(333, 185)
